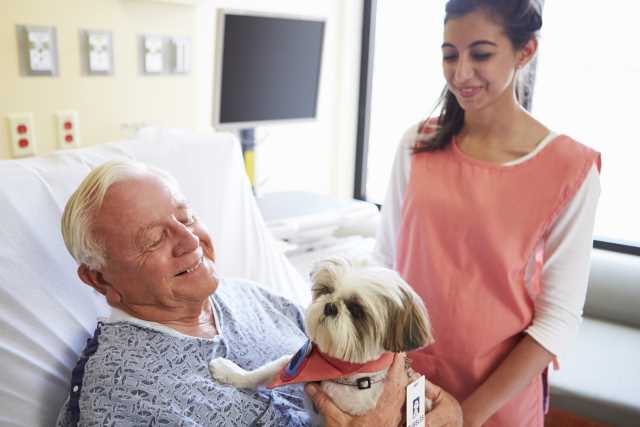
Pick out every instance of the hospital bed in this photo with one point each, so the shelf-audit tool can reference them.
(47, 314)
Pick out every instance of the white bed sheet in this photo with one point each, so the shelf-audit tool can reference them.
(46, 313)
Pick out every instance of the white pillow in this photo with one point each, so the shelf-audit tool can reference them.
(46, 313)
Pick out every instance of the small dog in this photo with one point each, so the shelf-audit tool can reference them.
(359, 316)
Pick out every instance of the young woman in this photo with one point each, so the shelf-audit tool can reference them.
(489, 215)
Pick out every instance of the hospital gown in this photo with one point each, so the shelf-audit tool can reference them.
(134, 374)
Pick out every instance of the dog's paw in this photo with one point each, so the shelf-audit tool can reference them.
(227, 372)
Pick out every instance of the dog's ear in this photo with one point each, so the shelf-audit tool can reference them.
(410, 327)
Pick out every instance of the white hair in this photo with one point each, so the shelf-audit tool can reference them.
(83, 205)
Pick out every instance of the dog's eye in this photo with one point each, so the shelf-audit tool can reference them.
(356, 310)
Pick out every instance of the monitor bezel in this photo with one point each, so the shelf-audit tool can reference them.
(217, 77)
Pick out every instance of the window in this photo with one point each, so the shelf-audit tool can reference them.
(407, 80)
(586, 86)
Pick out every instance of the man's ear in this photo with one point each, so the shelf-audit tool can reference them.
(95, 279)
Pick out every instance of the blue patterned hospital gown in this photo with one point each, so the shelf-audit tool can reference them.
(132, 375)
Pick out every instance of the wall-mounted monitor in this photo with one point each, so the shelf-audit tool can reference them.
(267, 69)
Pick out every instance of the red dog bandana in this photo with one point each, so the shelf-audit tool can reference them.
(310, 364)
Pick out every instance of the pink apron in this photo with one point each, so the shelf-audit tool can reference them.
(468, 231)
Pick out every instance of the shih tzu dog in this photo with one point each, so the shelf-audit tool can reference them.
(360, 315)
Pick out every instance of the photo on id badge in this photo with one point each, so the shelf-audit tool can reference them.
(416, 403)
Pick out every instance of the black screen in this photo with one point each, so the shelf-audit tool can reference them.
(270, 68)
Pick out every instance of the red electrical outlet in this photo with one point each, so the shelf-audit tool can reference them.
(22, 133)
(67, 126)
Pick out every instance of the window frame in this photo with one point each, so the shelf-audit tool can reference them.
(364, 114)
(367, 48)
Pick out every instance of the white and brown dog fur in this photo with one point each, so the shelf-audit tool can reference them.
(357, 313)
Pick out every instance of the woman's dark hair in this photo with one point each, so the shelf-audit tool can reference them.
(521, 19)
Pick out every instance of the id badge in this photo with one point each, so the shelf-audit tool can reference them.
(416, 403)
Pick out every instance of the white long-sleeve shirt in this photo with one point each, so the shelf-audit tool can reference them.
(567, 249)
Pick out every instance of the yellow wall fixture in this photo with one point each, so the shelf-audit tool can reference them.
(111, 105)
(249, 165)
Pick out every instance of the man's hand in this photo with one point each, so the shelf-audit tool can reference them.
(388, 410)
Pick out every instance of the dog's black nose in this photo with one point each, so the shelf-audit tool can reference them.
(330, 309)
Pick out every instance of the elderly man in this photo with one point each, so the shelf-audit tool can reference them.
(138, 243)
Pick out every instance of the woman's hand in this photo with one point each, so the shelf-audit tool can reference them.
(445, 409)
(388, 410)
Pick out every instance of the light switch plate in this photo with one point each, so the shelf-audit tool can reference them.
(68, 129)
(98, 52)
(38, 50)
(180, 55)
(22, 133)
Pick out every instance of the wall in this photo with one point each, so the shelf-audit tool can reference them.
(314, 156)
(104, 103)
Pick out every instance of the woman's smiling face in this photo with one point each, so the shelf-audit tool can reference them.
(478, 60)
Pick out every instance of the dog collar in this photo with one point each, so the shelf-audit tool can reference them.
(310, 364)
(362, 383)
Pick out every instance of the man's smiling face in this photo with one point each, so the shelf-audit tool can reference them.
(158, 255)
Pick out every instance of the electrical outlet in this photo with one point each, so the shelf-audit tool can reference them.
(42, 50)
(153, 54)
(99, 52)
(68, 129)
(37, 50)
(23, 142)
